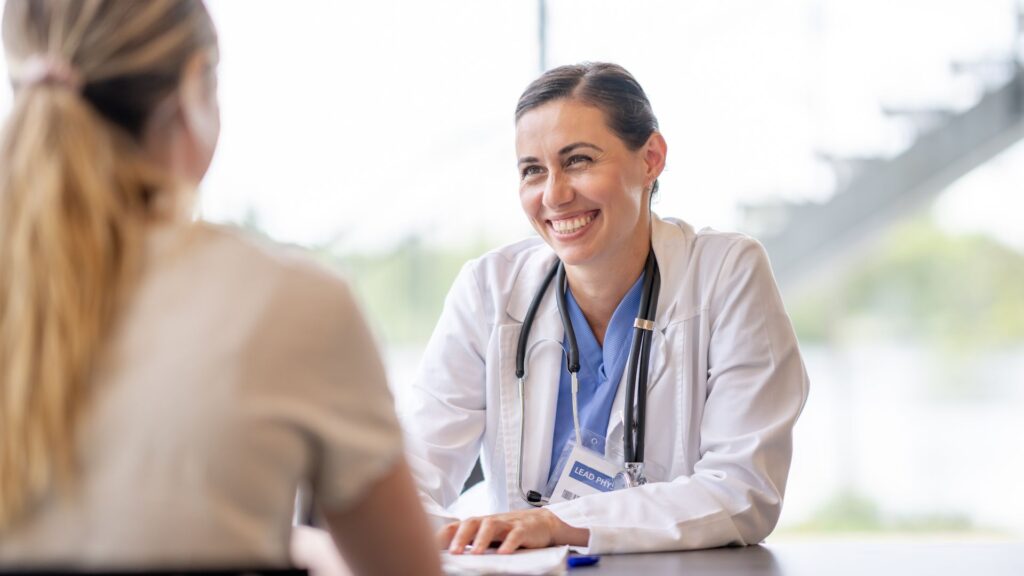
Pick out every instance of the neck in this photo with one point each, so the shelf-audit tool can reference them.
(176, 204)
(599, 287)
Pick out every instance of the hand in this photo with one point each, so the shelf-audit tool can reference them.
(521, 529)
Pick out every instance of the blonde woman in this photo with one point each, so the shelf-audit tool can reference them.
(165, 385)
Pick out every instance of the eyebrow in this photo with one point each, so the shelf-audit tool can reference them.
(576, 145)
(565, 150)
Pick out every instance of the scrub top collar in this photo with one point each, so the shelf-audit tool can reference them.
(600, 372)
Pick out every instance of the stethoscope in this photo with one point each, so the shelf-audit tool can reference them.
(636, 371)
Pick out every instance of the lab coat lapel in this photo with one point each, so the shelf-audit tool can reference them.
(543, 364)
(616, 421)
(670, 242)
(613, 443)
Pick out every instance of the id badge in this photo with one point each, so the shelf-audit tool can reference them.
(585, 472)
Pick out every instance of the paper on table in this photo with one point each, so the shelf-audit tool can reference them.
(541, 562)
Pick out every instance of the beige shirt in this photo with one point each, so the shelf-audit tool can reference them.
(237, 372)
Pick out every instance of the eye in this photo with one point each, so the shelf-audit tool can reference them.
(578, 159)
(531, 170)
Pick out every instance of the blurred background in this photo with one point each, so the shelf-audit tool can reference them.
(876, 148)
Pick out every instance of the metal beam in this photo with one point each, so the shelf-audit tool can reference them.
(542, 35)
(875, 198)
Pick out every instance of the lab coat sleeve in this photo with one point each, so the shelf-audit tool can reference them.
(444, 417)
(756, 388)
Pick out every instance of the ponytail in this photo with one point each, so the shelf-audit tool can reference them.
(70, 207)
(75, 195)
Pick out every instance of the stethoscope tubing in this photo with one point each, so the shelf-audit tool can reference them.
(572, 355)
(524, 335)
(639, 357)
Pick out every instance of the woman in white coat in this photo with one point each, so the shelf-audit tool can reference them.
(725, 381)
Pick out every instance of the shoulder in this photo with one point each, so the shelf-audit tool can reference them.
(736, 269)
(707, 267)
(498, 270)
(498, 283)
(727, 248)
(707, 247)
(702, 252)
(509, 260)
(282, 274)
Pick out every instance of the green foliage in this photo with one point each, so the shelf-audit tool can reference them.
(850, 512)
(920, 283)
(403, 290)
(845, 512)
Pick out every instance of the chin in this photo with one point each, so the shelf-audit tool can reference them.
(573, 256)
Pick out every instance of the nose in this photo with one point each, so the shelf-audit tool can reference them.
(558, 190)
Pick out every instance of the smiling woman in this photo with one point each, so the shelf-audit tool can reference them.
(549, 382)
(589, 199)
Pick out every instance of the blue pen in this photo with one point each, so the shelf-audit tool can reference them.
(581, 560)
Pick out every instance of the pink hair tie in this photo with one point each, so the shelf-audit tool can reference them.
(40, 69)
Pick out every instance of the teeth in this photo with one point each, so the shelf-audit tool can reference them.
(570, 225)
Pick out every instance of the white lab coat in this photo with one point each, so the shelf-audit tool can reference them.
(726, 387)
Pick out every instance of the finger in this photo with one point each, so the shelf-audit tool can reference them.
(513, 540)
(490, 530)
(445, 534)
(463, 535)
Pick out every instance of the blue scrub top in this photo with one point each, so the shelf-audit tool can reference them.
(599, 375)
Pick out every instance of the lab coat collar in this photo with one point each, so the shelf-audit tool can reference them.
(672, 241)
(528, 281)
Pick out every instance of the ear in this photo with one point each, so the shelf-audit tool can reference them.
(654, 153)
(197, 99)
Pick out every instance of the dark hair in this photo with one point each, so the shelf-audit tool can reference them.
(608, 87)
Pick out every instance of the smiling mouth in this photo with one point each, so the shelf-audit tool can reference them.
(572, 225)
